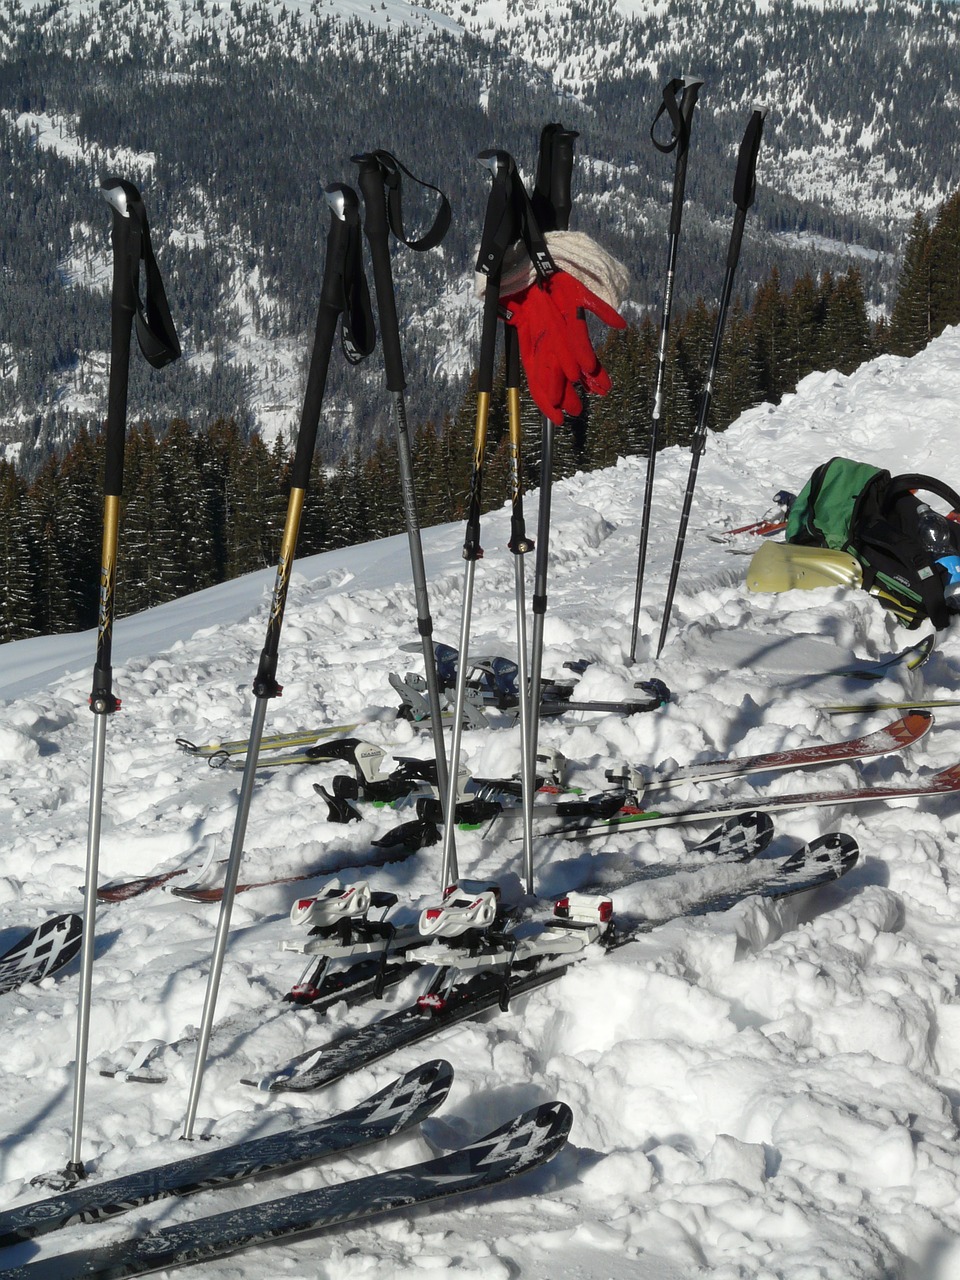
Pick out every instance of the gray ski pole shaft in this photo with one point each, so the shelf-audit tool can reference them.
(499, 231)
(130, 241)
(342, 255)
(377, 169)
(744, 192)
(520, 545)
(681, 116)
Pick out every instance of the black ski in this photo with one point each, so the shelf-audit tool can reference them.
(525, 1142)
(401, 1104)
(41, 952)
(824, 860)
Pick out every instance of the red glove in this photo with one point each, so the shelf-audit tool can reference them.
(571, 298)
(555, 344)
(550, 367)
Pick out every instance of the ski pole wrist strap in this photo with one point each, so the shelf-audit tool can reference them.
(671, 106)
(358, 335)
(391, 169)
(347, 292)
(510, 217)
(156, 333)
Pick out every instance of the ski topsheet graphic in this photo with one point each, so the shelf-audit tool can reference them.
(894, 737)
(523, 1143)
(401, 1104)
(43, 951)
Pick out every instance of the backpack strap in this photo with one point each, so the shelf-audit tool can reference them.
(913, 480)
(925, 575)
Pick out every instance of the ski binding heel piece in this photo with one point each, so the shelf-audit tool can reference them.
(584, 909)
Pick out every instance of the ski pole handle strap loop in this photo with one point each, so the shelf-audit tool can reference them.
(344, 288)
(156, 333)
(358, 335)
(671, 106)
(391, 169)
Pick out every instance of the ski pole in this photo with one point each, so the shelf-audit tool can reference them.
(744, 192)
(343, 297)
(130, 236)
(499, 231)
(552, 204)
(379, 181)
(520, 544)
(681, 116)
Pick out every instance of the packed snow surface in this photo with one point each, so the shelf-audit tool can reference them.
(769, 1092)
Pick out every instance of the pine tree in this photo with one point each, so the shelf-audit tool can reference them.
(845, 334)
(80, 527)
(17, 564)
(735, 386)
(802, 322)
(53, 613)
(768, 338)
(192, 559)
(945, 266)
(911, 321)
(144, 551)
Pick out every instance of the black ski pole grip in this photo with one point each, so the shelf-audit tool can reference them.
(345, 219)
(687, 103)
(126, 205)
(745, 182)
(552, 199)
(561, 178)
(744, 185)
(372, 182)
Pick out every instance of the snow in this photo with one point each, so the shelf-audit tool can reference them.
(764, 1094)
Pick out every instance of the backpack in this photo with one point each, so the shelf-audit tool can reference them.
(873, 516)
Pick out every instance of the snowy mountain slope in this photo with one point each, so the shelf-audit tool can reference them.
(862, 133)
(766, 1093)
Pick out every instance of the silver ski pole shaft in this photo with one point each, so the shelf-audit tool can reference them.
(498, 232)
(520, 545)
(342, 258)
(226, 908)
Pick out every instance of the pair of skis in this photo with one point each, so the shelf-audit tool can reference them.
(617, 811)
(491, 973)
(220, 752)
(524, 1142)
(356, 956)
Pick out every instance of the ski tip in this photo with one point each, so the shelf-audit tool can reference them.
(437, 1075)
(829, 857)
(528, 1140)
(915, 723)
(921, 651)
